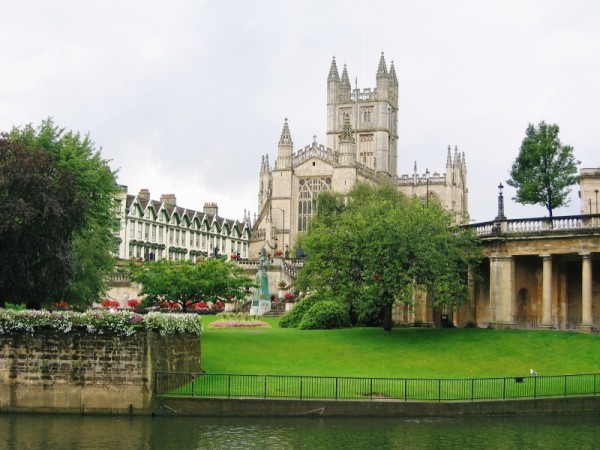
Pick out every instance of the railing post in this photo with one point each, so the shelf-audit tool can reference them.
(336, 388)
(534, 387)
(265, 393)
(229, 386)
(300, 388)
(193, 395)
(405, 390)
(371, 389)
(504, 389)
(565, 377)
(439, 390)
(472, 389)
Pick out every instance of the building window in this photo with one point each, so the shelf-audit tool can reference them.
(308, 191)
(366, 114)
(183, 233)
(132, 230)
(147, 231)
(365, 150)
(153, 233)
(139, 230)
(160, 234)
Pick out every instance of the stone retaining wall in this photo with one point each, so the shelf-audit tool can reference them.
(89, 373)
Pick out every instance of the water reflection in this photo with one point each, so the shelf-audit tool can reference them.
(21, 432)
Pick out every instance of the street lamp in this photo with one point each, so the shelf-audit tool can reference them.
(427, 191)
(596, 192)
(500, 215)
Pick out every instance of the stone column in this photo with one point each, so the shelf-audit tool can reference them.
(547, 291)
(502, 291)
(586, 292)
(471, 305)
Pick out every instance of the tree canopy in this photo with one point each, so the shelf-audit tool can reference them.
(86, 238)
(545, 169)
(379, 247)
(187, 282)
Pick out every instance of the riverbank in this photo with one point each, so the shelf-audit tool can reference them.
(246, 407)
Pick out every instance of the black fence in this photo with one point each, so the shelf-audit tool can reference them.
(354, 388)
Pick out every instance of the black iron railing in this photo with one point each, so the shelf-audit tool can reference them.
(355, 388)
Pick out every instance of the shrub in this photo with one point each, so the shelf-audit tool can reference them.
(325, 315)
(293, 318)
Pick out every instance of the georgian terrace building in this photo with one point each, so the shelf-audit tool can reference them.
(159, 229)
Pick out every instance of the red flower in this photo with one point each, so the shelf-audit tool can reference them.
(133, 303)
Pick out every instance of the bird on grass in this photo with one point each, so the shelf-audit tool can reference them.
(533, 373)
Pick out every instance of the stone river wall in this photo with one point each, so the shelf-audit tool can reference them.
(78, 372)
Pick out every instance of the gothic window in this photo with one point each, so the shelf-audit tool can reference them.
(309, 189)
(365, 150)
(366, 114)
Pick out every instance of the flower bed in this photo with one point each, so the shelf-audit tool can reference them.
(238, 320)
(98, 321)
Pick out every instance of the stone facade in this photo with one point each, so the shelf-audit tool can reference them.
(89, 373)
(362, 145)
(160, 229)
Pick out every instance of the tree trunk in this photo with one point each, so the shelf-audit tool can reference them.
(387, 317)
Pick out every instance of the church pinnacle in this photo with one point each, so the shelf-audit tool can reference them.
(333, 72)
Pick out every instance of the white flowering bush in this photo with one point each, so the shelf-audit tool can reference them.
(98, 322)
(237, 319)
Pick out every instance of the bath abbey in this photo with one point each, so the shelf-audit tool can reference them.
(361, 145)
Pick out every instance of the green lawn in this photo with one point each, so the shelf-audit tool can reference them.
(401, 353)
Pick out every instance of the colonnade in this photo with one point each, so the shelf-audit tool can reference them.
(502, 290)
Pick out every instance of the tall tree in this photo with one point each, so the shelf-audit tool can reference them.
(40, 209)
(92, 242)
(545, 169)
(186, 281)
(381, 248)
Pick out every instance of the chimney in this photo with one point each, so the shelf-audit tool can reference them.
(169, 200)
(144, 195)
(211, 208)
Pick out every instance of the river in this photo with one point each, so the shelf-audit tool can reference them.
(64, 432)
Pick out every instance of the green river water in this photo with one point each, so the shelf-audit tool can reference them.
(43, 432)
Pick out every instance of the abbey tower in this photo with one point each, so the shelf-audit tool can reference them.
(362, 145)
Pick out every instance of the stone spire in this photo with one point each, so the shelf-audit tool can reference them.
(333, 84)
(383, 80)
(333, 72)
(285, 148)
(393, 74)
(345, 87)
(382, 69)
(449, 157)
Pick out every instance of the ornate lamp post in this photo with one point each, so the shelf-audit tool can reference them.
(500, 215)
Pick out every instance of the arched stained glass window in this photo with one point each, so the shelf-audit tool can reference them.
(309, 189)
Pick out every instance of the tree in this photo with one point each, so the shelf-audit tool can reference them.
(40, 209)
(545, 169)
(383, 247)
(186, 281)
(93, 241)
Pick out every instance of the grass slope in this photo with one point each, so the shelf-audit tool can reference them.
(401, 353)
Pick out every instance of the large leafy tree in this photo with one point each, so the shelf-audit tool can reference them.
(91, 242)
(187, 281)
(381, 248)
(40, 209)
(545, 169)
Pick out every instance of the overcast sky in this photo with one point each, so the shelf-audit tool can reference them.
(185, 96)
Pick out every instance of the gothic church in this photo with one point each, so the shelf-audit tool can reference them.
(362, 145)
